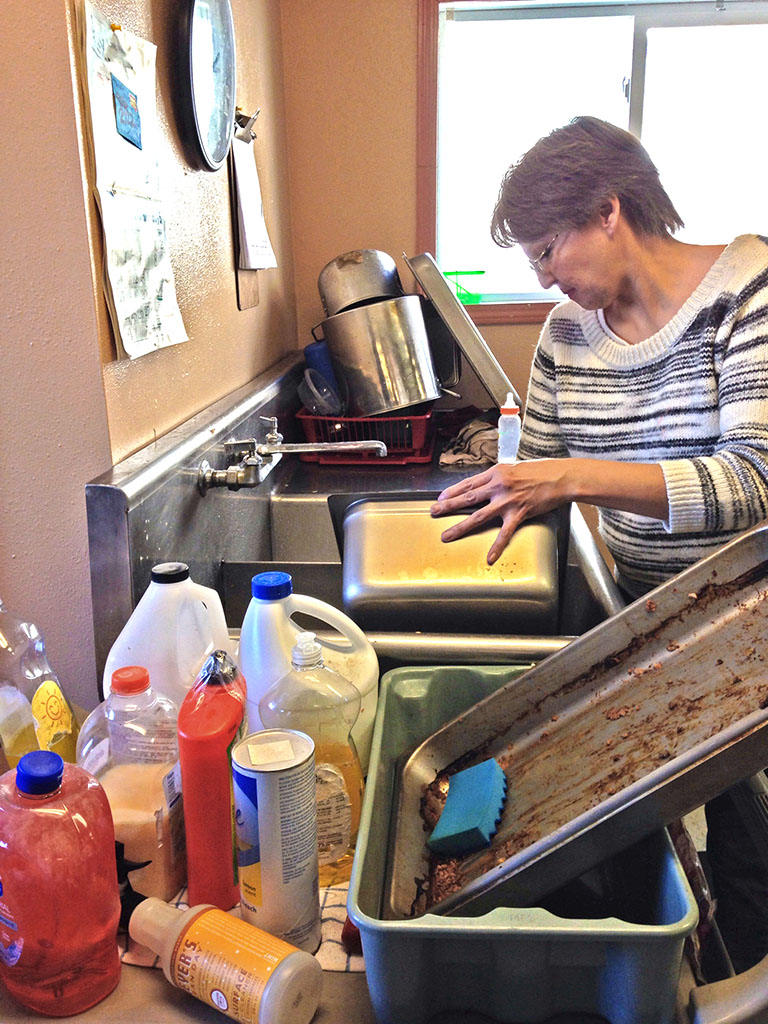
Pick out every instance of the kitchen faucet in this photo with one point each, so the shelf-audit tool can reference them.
(257, 458)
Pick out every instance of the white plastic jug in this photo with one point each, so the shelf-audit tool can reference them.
(269, 634)
(174, 627)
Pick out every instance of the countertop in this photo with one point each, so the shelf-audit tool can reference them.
(143, 996)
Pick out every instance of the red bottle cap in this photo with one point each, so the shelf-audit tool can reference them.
(131, 679)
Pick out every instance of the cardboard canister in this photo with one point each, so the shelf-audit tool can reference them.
(273, 773)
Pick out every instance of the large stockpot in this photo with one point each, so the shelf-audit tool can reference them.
(357, 277)
(381, 352)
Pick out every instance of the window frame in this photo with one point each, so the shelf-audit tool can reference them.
(687, 12)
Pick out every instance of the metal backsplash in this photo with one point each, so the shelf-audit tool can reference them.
(147, 509)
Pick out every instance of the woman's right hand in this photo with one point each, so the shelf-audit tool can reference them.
(515, 492)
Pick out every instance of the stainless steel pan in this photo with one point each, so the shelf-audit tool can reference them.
(634, 724)
(356, 277)
(381, 352)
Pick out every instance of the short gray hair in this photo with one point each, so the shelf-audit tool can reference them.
(567, 177)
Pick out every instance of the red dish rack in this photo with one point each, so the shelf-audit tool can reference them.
(409, 438)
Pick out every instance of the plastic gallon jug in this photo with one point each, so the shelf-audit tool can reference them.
(323, 704)
(59, 902)
(267, 638)
(210, 724)
(34, 713)
(173, 629)
(251, 976)
(129, 743)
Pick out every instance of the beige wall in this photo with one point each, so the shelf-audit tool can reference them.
(53, 418)
(69, 408)
(227, 347)
(350, 88)
(336, 152)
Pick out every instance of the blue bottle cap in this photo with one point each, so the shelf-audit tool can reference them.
(269, 586)
(41, 771)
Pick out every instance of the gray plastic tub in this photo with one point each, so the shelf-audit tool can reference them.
(512, 964)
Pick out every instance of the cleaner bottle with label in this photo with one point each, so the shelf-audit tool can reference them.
(210, 724)
(34, 713)
(269, 633)
(249, 975)
(509, 430)
(129, 743)
(59, 902)
(172, 630)
(317, 701)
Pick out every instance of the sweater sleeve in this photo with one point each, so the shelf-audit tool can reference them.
(728, 490)
(541, 436)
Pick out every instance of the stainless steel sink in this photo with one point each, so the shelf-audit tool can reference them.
(148, 509)
(302, 524)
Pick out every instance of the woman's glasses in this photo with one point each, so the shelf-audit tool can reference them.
(545, 254)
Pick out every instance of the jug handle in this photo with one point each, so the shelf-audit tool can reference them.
(354, 636)
(214, 612)
(315, 328)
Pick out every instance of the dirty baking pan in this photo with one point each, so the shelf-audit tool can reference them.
(634, 724)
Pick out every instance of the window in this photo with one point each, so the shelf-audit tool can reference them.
(689, 78)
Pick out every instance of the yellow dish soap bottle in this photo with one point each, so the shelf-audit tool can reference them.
(34, 713)
(323, 704)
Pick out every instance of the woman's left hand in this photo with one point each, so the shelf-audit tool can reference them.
(515, 492)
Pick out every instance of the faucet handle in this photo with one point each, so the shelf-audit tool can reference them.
(240, 449)
(273, 435)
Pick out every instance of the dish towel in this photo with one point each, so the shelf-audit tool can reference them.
(477, 442)
(331, 953)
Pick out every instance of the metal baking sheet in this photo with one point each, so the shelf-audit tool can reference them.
(471, 342)
(634, 724)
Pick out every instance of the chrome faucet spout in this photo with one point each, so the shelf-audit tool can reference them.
(257, 458)
(375, 447)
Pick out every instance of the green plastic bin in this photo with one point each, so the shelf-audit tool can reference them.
(511, 964)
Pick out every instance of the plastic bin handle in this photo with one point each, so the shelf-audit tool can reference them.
(739, 1000)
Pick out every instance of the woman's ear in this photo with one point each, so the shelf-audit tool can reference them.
(610, 211)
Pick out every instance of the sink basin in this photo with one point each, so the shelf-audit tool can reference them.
(148, 509)
(587, 593)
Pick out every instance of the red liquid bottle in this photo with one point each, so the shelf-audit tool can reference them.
(59, 901)
(210, 723)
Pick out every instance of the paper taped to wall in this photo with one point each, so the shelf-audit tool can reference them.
(255, 248)
(118, 83)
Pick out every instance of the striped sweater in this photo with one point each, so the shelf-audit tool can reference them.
(693, 397)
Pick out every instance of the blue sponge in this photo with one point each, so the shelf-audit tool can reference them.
(472, 810)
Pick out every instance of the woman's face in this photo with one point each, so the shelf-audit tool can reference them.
(582, 262)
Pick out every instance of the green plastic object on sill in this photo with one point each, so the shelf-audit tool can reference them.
(463, 294)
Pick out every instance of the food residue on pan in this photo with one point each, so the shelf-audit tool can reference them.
(656, 730)
(615, 713)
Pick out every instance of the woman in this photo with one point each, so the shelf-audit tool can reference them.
(648, 394)
(648, 398)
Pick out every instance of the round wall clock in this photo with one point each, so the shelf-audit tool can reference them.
(208, 61)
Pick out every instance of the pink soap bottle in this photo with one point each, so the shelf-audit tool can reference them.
(59, 901)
